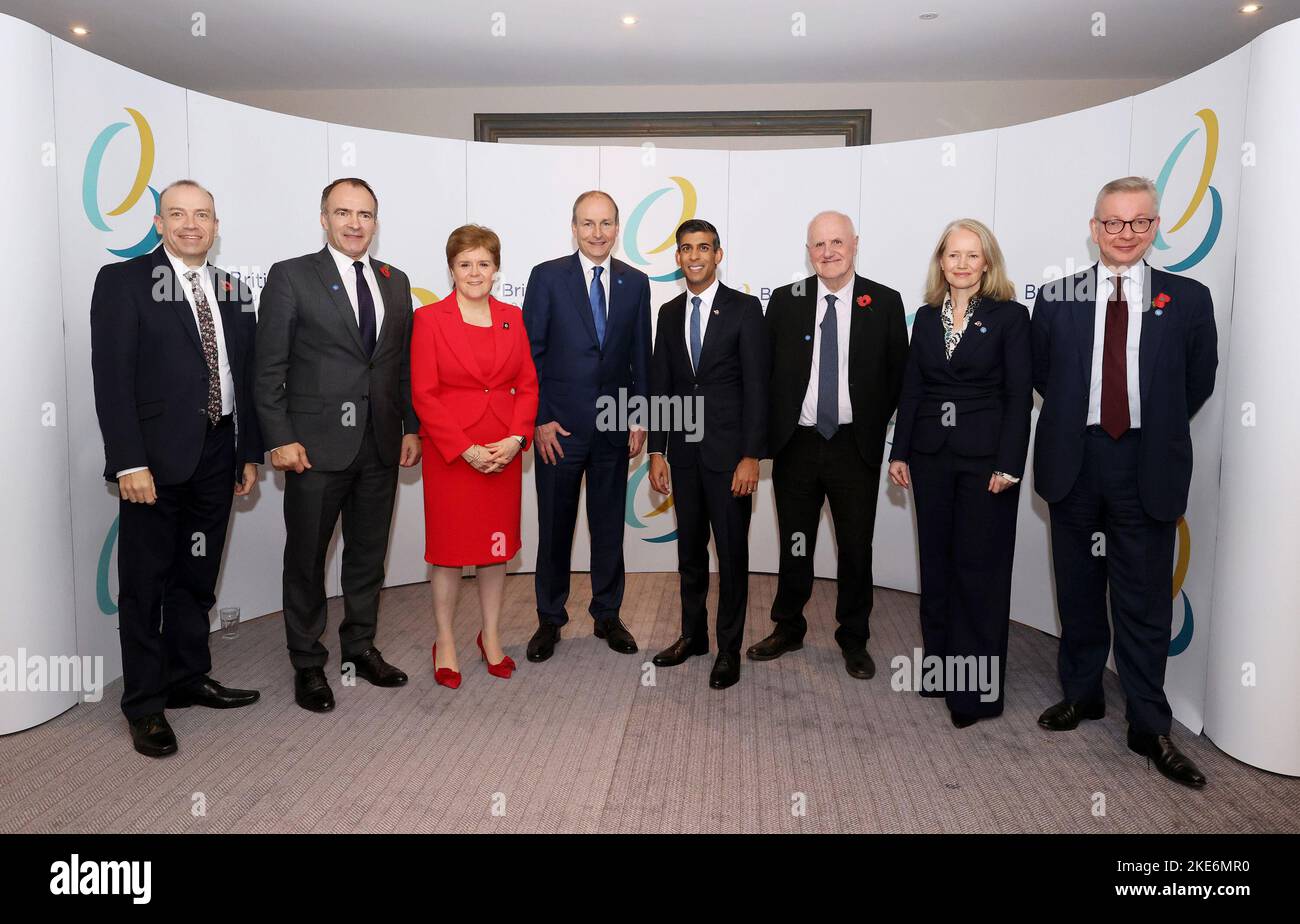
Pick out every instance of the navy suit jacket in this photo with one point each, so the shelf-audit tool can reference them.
(978, 402)
(151, 380)
(1177, 358)
(573, 369)
(731, 382)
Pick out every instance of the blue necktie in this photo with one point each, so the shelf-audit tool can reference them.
(828, 375)
(365, 309)
(597, 296)
(695, 333)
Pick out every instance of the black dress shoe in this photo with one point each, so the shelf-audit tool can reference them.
(1065, 715)
(1170, 761)
(371, 665)
(152, 736)
(726, 671)
(311, 690)
(859, 664)
(207, 692)
(542, 645)
(775, 645)
(964, 719)
(679, 651)
(616, 635)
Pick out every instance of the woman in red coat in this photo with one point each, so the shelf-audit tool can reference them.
(475, 391)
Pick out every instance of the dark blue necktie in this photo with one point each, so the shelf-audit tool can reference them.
(365, 309)
(597, 295)
(695, 333)
(828, 375)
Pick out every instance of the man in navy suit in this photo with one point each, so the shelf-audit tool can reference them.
(1124, 355)
(713, 358)
(588, 320)
(171, 341)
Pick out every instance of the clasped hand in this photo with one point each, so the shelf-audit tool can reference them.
(492, 457)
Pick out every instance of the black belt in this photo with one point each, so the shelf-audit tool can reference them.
(1097, 430)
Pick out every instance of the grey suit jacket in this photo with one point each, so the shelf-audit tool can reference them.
(314, 383)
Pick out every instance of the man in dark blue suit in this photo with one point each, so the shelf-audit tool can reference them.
(712, 360)
(588, 319)
(171, 341)
(1124, 355)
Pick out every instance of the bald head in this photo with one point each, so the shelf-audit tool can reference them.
(832, 248)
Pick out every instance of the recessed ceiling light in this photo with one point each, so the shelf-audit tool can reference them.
(80, 30)
(629, 20)
(929, 16)
(1251, 8)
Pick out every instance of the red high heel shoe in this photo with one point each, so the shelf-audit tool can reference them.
(445, 676)
(503, 668)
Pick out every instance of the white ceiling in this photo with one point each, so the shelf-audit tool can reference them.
(368, 44)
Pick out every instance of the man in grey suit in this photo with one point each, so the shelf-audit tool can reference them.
(333, 394)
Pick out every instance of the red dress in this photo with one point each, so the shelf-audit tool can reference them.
(470, 385)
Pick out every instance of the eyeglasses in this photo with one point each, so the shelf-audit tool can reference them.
(1139, 225)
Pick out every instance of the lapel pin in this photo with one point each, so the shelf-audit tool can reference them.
(807, 337)
(864, 301)
(505, 325)
(335, 287)
(983, 329)
(715, 311)
(1159, 312)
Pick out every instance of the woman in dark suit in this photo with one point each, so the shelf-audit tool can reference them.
(960, 444)
(474, 389)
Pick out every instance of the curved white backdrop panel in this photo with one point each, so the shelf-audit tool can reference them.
(120, 136)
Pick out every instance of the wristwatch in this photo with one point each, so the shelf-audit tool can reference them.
(523, 440)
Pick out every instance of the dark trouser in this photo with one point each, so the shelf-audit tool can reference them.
(1137, 562)
(363, 493)
(807, 471)
(558, 486)
(703, 500)
(168, 556)
(967, 537)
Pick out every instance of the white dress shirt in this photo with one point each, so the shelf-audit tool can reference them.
(349, 274)
(587, 267)
(843, 316)
(1135, 294)
(180, 268)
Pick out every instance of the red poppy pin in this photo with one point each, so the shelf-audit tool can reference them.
(864, 301)
(383, 268)
(1161, 300)
(227, 285)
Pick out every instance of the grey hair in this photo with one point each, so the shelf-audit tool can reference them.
(194, 185)
(1127, 184)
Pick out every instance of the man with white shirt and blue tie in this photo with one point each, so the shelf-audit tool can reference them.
(710, 368)
(1124, 355)
(588, 322)
(172, 356)
(839, 345)
(333, 391)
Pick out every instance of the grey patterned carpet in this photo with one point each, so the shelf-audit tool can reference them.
(593, 741)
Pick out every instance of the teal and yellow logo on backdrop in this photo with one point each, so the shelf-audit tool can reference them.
(629, 514)
(103, 595)
(632, 230)
(1210, 126)
(1178, 644)
(143, 173)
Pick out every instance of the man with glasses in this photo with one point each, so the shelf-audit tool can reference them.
(1124, 355)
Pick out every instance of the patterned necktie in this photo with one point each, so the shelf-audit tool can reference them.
(1114, 364)
(828, 374)
(365, 309)
(597, 296)
(208, 336)
(695, 333)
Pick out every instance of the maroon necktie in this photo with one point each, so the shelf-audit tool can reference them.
(1114, 365)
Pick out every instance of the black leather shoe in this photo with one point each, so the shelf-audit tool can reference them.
(371, 665)
(775, 645)
(859, 664)
(311, 690)
(542, 645)
(616, 635)
(1170, 761)
(963, 719)
(679, 651)
(207, 692)
(1065, 715)
(152, 736)
(726, 671)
